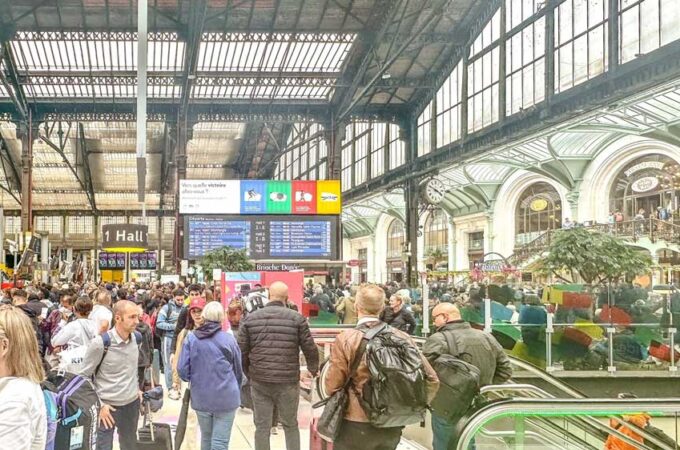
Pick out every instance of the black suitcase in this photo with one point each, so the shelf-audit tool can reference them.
(153, 436)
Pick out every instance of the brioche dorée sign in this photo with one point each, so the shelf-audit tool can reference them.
(123, 237)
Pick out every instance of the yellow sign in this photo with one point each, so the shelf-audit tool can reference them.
(328, 197)
(538, 204)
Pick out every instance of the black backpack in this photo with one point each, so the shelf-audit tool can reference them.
(458, 382)
(396, 394)
(75, 405)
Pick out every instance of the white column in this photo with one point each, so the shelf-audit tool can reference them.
(488, 233)
(451, 242)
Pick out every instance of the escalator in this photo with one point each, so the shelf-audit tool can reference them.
(524, 416)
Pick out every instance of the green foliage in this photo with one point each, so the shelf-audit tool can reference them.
(436, 254)
(595, 256)
(226, 258)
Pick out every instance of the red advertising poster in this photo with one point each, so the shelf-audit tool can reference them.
(294, 280)
(304, 197)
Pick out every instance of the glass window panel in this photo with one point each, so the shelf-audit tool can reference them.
(649, 17)
(596, 52)
(630, 33)
(565, 25)
(580, 14)
(596, 12)
(670, 21)
(581, 59)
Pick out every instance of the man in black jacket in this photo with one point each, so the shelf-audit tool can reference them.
(398, 316)
(270, 340)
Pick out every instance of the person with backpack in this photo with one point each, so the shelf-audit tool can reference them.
(270, 339)
(23, 416)
(71, 341)
(466, 359)
(375, 416)
(146, 346)
(165, 326)
(111, 359)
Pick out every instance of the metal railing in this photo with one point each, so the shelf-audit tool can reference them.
(520, 409)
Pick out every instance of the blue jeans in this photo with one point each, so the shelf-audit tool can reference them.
(166, 351)
(444, 433)
(215, 429)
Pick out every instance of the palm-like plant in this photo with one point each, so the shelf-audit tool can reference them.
(227, 258)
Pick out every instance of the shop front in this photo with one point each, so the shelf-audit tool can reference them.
(649, 185)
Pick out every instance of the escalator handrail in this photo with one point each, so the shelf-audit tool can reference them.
(588, 421)
(567, 407)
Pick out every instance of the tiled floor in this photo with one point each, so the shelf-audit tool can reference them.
(243, 431)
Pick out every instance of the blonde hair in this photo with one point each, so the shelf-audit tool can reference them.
(371, 299)
(213, 312)
(22, 357)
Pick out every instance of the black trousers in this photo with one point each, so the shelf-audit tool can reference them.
(364, 436)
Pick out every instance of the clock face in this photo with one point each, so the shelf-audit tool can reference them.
(434, 191)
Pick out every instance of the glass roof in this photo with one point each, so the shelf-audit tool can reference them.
(75, 51)
(273, 52)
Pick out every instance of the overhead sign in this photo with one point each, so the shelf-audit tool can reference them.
(123, 237)
(276, 267)
(644, 165)
(260, 197)
(645, 184)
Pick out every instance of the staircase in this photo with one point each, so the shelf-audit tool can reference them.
(654, 231)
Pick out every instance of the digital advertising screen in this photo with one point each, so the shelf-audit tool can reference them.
(143, 261)
(277, 197)
(264, 237)
(111, 261)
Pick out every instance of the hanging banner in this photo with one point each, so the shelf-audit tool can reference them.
(209, 196)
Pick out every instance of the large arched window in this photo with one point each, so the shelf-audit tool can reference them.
(539, 209)
(396, 235)
(648, 183)
(436, 232)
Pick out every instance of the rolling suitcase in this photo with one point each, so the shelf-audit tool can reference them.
(153, 436)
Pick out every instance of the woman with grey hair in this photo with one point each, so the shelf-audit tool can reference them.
(211, 361)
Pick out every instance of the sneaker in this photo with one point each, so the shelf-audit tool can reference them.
(173, 394)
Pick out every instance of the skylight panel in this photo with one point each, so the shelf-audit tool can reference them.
(273, 52)
(71, 51)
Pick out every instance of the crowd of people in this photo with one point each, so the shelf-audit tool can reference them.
(224, 358)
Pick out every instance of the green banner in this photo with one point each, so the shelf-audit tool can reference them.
(278, 197)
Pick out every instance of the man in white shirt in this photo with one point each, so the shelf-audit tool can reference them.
(101, 314)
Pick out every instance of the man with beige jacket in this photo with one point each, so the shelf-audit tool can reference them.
(357, 431)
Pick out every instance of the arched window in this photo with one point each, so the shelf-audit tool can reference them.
(436, 232)
(396, 235)
(539, 209)
(648, 184)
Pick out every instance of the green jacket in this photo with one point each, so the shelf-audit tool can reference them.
(476, 347)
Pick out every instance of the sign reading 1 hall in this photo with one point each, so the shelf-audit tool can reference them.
(125, 237)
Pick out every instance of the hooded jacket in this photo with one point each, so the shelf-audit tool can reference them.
(211, 361)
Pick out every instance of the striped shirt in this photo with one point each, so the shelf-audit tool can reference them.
(23, 420)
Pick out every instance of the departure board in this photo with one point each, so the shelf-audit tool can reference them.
(264, 237)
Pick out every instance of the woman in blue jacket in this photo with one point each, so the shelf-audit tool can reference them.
(211, 361)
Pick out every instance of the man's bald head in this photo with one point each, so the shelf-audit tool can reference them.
(450, 310)
(122, 307)
(278, 292)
